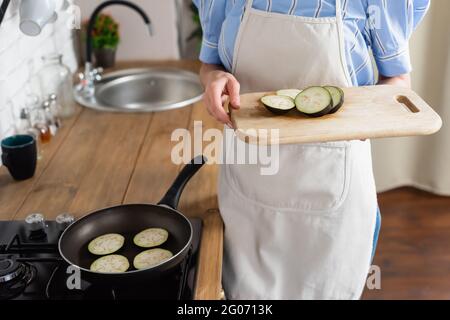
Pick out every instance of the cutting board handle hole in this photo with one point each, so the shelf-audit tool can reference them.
(408, 104)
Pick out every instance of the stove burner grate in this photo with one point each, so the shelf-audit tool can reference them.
(15, 276)
(32, 269)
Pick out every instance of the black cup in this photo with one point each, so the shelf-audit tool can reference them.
(19, 155)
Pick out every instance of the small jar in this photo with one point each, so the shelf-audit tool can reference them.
(56, 79)
(40, 123)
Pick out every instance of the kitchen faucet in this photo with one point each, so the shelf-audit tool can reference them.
(91, 75)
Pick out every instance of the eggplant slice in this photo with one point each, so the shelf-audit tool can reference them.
(314, 102)
(150, 258)
(291, 93)
(113, 263)
(151, 237)
(278, 104)
(337, 94)
(106, 244)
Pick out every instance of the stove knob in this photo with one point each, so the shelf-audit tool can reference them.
(35, 222)
(64, 220)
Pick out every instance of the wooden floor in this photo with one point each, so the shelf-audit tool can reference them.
(414, 246)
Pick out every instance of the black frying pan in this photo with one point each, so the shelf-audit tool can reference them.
(128, 220)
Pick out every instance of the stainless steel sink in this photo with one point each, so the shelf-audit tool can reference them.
(143, 90)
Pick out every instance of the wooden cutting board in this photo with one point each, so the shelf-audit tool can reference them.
(368, 113)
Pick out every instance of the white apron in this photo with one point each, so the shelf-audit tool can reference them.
(306, 232)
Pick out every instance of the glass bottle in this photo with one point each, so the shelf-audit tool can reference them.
(55, 109)
(23, 123)
(51, 109)
(39, 122)
(56, 79)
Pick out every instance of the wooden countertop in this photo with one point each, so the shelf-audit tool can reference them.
(104, 159)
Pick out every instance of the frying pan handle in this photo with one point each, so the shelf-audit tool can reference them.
(172, 197)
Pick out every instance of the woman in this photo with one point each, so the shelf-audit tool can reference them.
(307, 232)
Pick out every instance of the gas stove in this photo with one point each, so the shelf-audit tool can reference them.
(32, 269)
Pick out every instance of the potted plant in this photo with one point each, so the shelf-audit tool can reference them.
(105, 39)
(197, 33)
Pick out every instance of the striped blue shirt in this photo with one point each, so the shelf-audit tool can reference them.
(383, 26)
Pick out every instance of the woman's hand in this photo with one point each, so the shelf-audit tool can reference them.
(402, 80)
(219, 86)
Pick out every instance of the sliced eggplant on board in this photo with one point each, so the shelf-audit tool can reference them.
(291, 93)
(278, 104)
(113, 263)
(337, 94)
(151, 237)
(106, 244)
(314, 102)
(150, 258)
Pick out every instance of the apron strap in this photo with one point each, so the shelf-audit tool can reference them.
(249, 5)
(339, 9)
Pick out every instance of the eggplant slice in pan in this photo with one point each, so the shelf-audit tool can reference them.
(151, 237)
(150, 258)
(113, 263)
(106, 244)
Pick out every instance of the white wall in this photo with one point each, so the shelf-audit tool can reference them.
(136, 44)
(19, 52)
